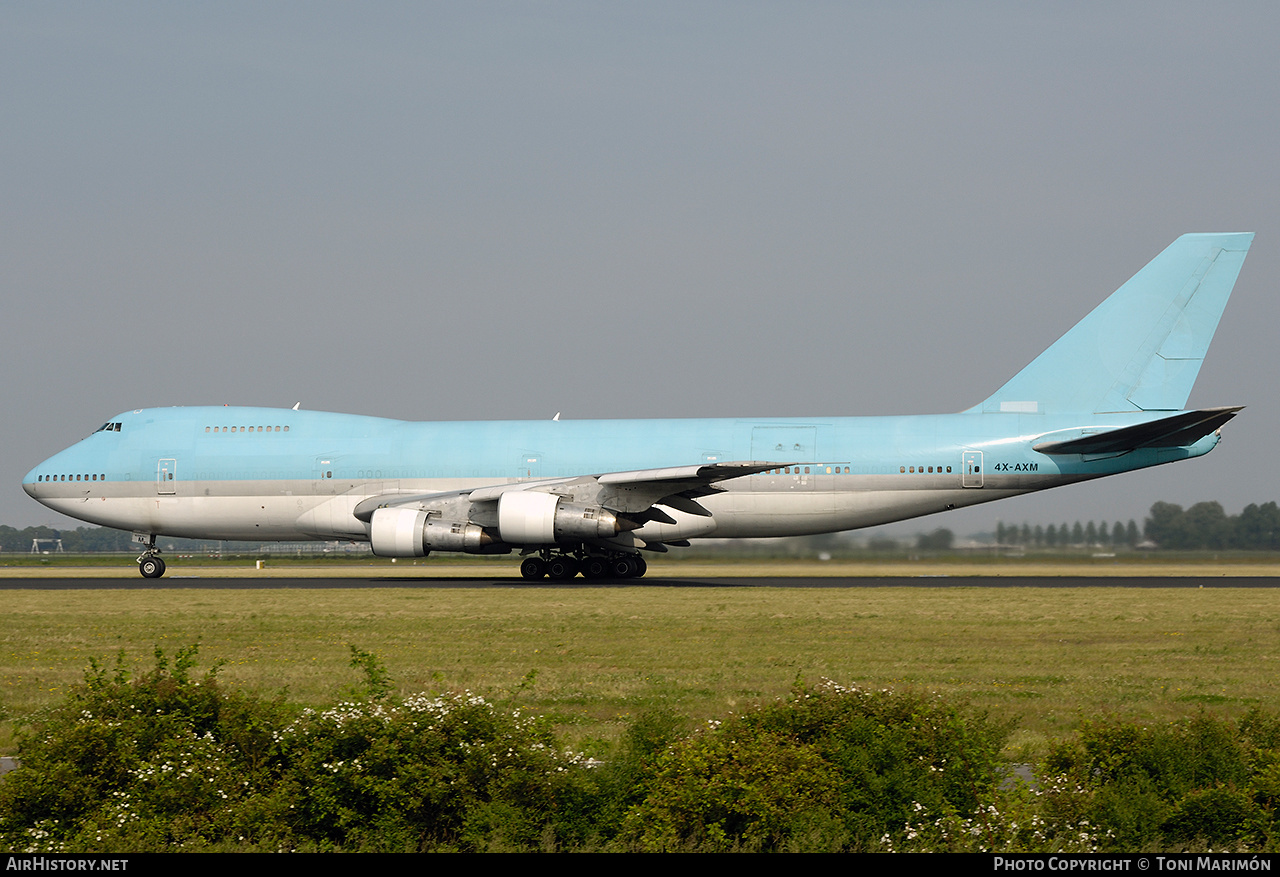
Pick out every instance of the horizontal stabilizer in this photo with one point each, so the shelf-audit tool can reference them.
(1177, 431)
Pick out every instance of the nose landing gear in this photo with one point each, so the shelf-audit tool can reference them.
(149, 562)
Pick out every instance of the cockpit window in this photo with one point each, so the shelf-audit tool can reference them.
(109, 427)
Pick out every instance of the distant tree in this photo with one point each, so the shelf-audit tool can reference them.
(1091, 534)
(1165, 526)
(1077, 534)
(1118, 538)
(939, 540)
(1258, 527)
(1206, 527)
(1131, 534)
(1038, 536)
(1051, 536)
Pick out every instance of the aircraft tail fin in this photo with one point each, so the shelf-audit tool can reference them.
(1141, 349)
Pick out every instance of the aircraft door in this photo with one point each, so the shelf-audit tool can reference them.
(167, 476)
(322, 475)
(971, 469)
(530, 466)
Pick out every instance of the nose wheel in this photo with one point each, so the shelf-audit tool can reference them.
(149, 563)
(151, 567)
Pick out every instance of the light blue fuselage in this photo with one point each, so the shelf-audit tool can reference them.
(263, 473)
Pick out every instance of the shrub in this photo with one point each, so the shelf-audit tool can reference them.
(163, 760)
(830, 768)
(447, 772)
(1204, 779)
(172, 761)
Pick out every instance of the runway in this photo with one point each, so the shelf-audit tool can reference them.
(214, 583)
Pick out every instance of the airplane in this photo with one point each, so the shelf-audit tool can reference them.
(589, 496)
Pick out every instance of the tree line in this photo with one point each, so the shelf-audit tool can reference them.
(1205, 526)
(1202, 527)
(78, 541)
(1098, 535)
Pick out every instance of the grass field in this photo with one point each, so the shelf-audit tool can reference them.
(1047, 657)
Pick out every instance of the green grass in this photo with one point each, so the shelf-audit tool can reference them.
(591, 657)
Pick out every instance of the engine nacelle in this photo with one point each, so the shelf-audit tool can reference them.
(411, 533)
(526, 517)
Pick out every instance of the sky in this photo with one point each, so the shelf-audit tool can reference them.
(456, 211)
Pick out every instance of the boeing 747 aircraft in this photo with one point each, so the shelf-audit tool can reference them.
(589, 496)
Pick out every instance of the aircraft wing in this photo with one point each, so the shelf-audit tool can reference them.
(1176, 431)
(631, 493)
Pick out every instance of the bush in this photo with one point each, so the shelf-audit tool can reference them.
(1204, 780)
(171, 761)
(830, 768)
(161, 761)
(450, 772)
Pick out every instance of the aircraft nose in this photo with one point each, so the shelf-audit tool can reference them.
(29, 482)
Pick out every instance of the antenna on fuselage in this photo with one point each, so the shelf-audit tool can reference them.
(557, 417)
(296, 404)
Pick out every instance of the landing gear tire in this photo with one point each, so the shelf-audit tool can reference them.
(595, 567)
(151, 567)
(532, 569)
(623, 567)
(562, 568)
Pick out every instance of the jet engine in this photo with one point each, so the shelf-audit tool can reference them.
(411, 533)
(526, 517)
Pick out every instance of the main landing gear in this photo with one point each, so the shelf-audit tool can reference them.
(149, 562)
(562, 567)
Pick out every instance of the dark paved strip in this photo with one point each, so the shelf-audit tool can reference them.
(213, 584)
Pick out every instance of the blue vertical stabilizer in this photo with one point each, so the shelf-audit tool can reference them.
(1141, 349)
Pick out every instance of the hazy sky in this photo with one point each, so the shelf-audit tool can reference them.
(504, 210)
